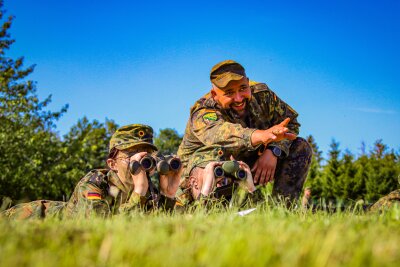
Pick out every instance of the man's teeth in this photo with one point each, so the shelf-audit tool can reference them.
(238, 104)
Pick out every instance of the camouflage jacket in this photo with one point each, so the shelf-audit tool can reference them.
(209, 125)
(102, 192)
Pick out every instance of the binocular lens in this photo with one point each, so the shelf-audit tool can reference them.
(218, 171)
(175, 164)
(147, 163)
(241, 174)
(134, 166)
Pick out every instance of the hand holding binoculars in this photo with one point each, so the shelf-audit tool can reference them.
(230, 168)
(162, 164)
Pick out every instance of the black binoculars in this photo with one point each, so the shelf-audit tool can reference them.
(163, 164)
(232, 169)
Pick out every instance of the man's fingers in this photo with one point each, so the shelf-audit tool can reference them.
(263, 178)
(138, 156)
(280, 131)
(268, 176)
(272, 176)
(254, 167)
(257, 176)
(284, 122)
(290, 136)
(244, 166)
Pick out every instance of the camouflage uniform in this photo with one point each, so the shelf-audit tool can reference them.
(100, 191)
(211, 126)
(387, 201)
(38, 209)
(231, 194)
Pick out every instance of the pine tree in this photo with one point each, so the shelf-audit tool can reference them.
(331, 172)
(313, 180)
(383, 172)
(362, 168)
(345, 181)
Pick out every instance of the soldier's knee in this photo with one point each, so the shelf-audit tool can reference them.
(301, 147)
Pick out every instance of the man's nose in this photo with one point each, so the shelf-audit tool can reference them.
(238, 97)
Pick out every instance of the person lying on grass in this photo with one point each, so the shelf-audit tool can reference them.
(216, 180)
(115, 190)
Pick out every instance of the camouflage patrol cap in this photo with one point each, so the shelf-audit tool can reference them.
(226, 71)
(132, 135)
(203, 156)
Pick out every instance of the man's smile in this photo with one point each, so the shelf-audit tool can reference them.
(239, 105)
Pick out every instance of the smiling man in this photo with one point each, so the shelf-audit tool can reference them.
(253, 125)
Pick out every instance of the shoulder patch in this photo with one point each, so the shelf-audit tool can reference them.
(93, 195)
(210, 116)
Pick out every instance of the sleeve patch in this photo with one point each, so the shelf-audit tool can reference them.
(93, 195)
(210, 116)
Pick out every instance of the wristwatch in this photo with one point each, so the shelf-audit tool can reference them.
(276, 151)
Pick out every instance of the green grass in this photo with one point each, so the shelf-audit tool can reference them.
(270, 236)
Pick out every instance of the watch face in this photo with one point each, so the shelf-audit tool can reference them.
(277, 151)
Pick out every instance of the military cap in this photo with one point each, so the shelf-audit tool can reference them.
(226, 71)
(203, 156)
(132, 135)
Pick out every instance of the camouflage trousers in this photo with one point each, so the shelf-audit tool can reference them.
(38, 209)
(291, 172)
(386, 201)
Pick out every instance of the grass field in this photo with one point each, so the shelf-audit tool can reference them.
(270, 236)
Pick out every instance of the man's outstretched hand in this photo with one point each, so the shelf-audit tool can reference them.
(276, 133)
(280, 131)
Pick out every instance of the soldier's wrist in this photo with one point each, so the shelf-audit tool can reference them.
(251, 189)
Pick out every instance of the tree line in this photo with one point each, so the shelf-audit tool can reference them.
(37, 163)
(345, 177)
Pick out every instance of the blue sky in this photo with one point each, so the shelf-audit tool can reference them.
(335, 62)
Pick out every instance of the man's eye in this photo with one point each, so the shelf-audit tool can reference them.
(228, 93)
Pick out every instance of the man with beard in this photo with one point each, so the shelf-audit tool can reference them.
(252, 124)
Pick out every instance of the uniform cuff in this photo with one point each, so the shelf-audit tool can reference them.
(247, 137)
(283, 146)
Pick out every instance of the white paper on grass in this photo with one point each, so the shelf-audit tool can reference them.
(245, 212)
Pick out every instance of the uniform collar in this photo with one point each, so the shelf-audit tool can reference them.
(114, 180)
(209, 101)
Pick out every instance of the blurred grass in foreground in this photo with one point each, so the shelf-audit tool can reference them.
(270, 236)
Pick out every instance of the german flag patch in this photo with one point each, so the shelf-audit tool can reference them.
(210, 116)
(93, 195)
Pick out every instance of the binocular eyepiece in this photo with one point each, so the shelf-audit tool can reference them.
(163, 164)
(231, 168)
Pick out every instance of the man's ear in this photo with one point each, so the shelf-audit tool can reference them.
(112, 164)
(213, 93)
(193, 182)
